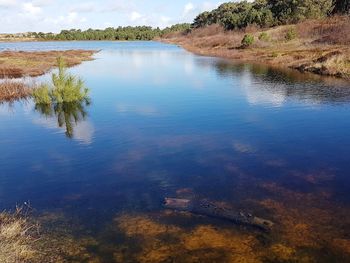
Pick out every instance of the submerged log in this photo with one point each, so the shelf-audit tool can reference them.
(207, 208)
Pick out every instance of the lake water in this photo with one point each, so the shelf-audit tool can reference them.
(166, 123)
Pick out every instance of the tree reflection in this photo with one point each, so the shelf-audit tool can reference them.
(65, 99)
(68, 114)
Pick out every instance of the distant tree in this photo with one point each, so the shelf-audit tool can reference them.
(292, 11)
(203, 19)
(110, 33)
(182, 28)
(341, 6)
(266, 13)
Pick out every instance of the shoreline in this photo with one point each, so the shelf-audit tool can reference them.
(294, 55)
(319, 46)
(19, 64)
(264, 57)
(44, 41)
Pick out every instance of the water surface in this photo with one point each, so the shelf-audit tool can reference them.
(166, 123)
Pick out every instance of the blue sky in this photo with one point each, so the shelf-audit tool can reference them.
(54, 15)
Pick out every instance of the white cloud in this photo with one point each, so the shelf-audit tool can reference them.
(30, 9)
(70, 20)
(7, 3)
(42, 3)
(134, 16)
(84, 132)
(143, 110)
(53, 15)
(165, 20)
(189, 7)
(190, 11)
(86, 7)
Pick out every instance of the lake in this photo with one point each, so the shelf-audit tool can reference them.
(166, 123)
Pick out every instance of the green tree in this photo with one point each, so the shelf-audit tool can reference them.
(292, 11)
(341, 6)
(203, 19)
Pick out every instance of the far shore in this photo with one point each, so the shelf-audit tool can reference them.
(312, 49)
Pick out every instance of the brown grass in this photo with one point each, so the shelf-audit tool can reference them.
(16, 64)
(17, 238)
(14, 90)
(321, 46)
(335, 30)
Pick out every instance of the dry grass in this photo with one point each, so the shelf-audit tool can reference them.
(17, 238)
(14, 90)
(334, 30)
(16, 64)
(320, 46)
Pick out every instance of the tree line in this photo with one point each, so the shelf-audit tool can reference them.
(267, 13)
(231, 15)
(120, 33)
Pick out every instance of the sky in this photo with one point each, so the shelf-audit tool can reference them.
(54, 15)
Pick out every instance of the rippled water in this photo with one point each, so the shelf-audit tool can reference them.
(166, 123)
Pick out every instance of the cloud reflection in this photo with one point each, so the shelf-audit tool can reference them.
(143, 110)
(69, 118)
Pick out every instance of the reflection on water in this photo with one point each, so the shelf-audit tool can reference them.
(68, 115)
(276, 84)
(166, 123)
(64, 99)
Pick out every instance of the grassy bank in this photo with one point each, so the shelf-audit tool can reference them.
(65, 88)
(17, 237)
(319, 46)
(17, 64)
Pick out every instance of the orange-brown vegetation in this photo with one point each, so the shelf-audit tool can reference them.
(163, 242)
(319, 46)
(14, 90)
(308, 220)
(17, 64)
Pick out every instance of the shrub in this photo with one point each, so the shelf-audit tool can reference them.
(248, 40)
(291, 34)
(41, 95)
(264, 37)
(65, 88)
